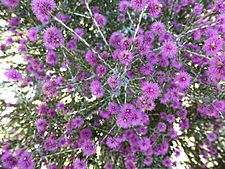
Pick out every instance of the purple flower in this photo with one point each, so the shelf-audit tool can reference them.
(113, 81)
(151, 90)
(89, 147)
(217, 68)
(13, 75)
(43, 9)
(108, 165)
(8, 161)
(138, 5)
(96, 89)
(71, 45)
(112, 142)
(100, 19)
(125, 57)
(115, 39)
(158, 27)
(154, 8)
(80, 164)
(32, 34)
(166, 162)
(161, 127)
(11, 4)
(123, 5)
(211, 137)
(113, 108)
(169, 49)
(41, 124)
(91, 58)
(101, 69)
(78, 122)
(51, 57)
(148, 161)
(183, 80)
(213, 45)
(219, 105)
(26, 161)
(53, 38)
(14, 21)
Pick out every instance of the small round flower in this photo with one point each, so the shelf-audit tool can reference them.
(80, 164)
(89, 147)
(219, 105)
(101, 70)
(100, 19)
(113, 108)
(32, 34)
(108, 166)
(169, 49)
(166, 162)
(154, 8)
(113, 81)
(96, 89)
(158, 27)
(26, 161)
(53, 38)
(112, 143)
(11, 4)
(13, 75)
(14, 21)
(217, 68)
(183, 80)
(125, 57)
(211, 137)
(43, 9)
(148, 161)
(8, 161)
(123, 5)
(213, 45)
(51, 57)
(161, 127)
(151, 90)
(138, 5)
(78, 122)
(41, 124)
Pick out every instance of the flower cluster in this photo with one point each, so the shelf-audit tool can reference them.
(118, 84)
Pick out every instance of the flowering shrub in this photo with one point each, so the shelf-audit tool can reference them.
(115, 84)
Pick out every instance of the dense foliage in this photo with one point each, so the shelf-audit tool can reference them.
(114, 84)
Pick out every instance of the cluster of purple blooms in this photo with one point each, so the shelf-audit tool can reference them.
(132, 86)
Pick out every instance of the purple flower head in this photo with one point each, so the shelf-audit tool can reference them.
(213, 45)
(154, 8)
(53, 38)
(41, 124)
(101, 69)
(211, 137)
(198, 9)
(161, 127)
(71, 45)
(113, 81)
(43, 9)
(148, 161)
(51, 57)
(125, 57)
(96, 89)
(91, 58)
(78, 122)
(158, 27)
(217, 67)
(123, 5)
(112, 143)
(8, 161)
(166, 162)
(11, 4)
(115, 39)
(108, 165)
(113, 108)
(183, 80)
(13, 75)
(219, 105)
(32, 34)
(26, 161)
(89, 147)
(85, 133)
(138, 5)
(169, 49)
(80, 164)
(100, 19)
(14, 21)
(151, 90)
